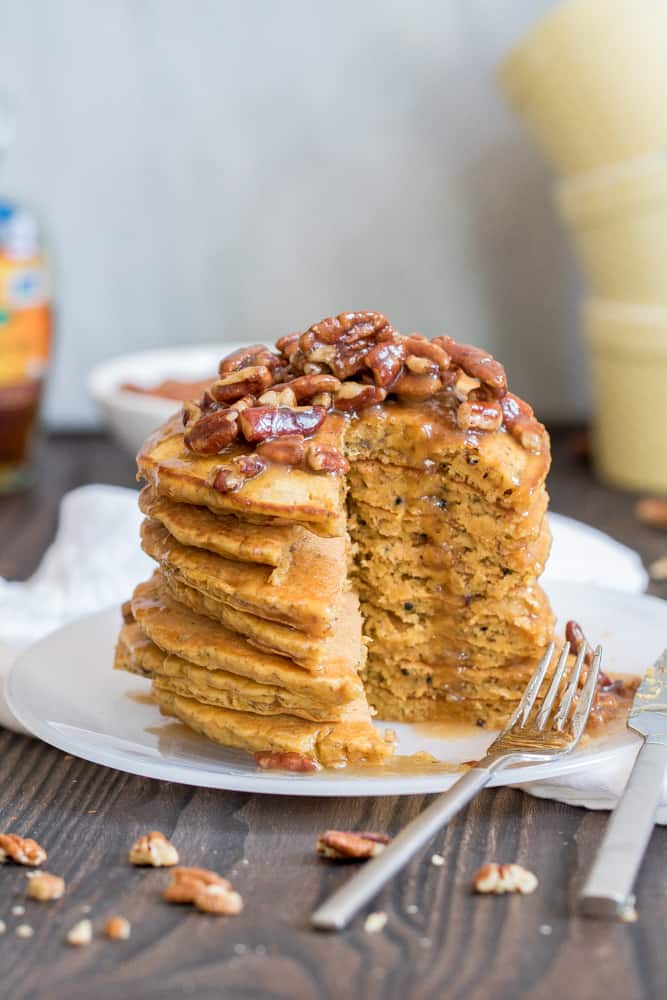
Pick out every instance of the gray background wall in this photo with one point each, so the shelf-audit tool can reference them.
(221, 169)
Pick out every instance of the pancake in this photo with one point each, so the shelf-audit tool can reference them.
(221, 688)
(306, 597)
(331, 744)
(227, 536)
(310, 652)
(279, 495)
(208, 644)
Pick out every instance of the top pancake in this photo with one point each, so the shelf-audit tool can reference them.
(281, 494)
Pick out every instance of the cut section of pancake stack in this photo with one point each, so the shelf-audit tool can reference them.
(383, 562)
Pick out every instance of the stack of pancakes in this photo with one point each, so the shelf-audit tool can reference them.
(403, 584)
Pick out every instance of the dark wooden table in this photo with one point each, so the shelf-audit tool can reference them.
(454, 944)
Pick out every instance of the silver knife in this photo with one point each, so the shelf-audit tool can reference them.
(608, 889)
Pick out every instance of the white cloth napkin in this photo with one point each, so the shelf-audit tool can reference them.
(95, 560)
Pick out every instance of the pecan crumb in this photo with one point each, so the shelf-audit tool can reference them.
(495, 878)
(21, 850)
(24, 931)
(375, 922)
(44, 886)
(652, 511)
(81, 934)
(344, 845)
(3, 927)
(153, 849)
(437, 860)
(658, 569)
(118, 928)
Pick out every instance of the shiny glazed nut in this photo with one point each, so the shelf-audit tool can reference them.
(250, 381)
(278, 397)
(45, 887)
(417, 346)
(494, 878)
(476, 363)
(258, 354)
(324, 399)
(325, 458)
(188, 883)
(191, 412)
(574, 634)
(288, 450)
(420, 366)
(153, 849)
(212, 432)
(386, 362)
(21, 850)
(118, 928)
(352, 396)
(227, 480)
(479, 416)
(218, 900)
(289, 344)
(258, 423)
(465, 385)
(339, 845)
(279, 760)
(417, 387)
(306, 386)
(249, 465)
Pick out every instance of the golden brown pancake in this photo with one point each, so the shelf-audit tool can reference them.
(208, 644)
(332, 744)
(288, 495)
(306, 597)
(226, 690)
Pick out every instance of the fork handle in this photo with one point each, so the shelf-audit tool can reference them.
(336, 912)
(608, 889)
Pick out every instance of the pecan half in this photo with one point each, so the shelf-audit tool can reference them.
(258, 354)
(417, 346)
(339, 845)
(325, 458)
(219, 900)
(479, 416)
(188, 883)
(284, 760)
(21, 850)
(288, 345)
(249, 465)
(261, 422)
(191, 412)
(153, 849)
(521, 423)
(476, 363)
(386, 362)
(227, 480)
(212, 432)
(417, 387)
(44, 887)
(494, 878)
(288, 450)
(574, 634)
(250, 381)
(353, 396)
(346, 327)
(306, 386)
(278, 396)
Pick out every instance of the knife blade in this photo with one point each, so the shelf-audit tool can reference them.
(608, 889)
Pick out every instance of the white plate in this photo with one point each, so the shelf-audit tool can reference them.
(64, 691)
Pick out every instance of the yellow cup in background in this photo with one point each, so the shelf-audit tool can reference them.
(617, 217)
(628, 345)
(590, 81)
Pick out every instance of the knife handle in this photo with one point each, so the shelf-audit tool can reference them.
(608, 889)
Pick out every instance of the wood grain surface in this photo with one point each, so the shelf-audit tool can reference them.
(439, 940)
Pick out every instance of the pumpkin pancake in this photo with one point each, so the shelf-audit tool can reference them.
(225, 535)
(221, 688)
(306, 597)
(331, 744)
(206, 643)
(279, 495)
(308, 651)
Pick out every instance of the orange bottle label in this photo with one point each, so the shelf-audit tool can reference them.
(25, 322)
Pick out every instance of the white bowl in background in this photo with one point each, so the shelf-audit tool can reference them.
(131, 416)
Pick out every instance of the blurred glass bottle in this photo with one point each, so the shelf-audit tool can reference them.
(25, 340)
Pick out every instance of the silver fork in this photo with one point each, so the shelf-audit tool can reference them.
(535, 732)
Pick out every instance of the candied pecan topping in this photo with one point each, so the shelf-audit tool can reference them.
(285, 760)
(344, 363)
